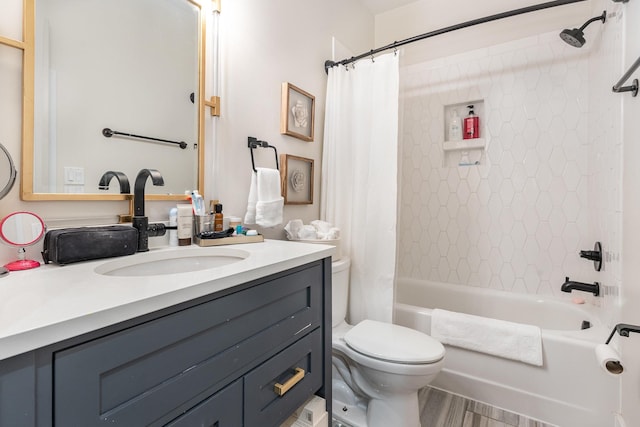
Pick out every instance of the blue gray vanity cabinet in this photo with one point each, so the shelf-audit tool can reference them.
(210, 361)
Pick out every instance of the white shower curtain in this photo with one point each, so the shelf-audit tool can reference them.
(359, 178)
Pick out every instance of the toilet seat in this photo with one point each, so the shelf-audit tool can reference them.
(393, 343)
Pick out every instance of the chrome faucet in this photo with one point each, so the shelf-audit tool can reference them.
(569, 286)
(140, 221)
(121, 177)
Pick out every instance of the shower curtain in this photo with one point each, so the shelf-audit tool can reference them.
(359, 178)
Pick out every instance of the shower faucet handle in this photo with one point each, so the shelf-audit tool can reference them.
(591, 255)
(595, 255)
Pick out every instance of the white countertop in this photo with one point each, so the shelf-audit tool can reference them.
(51, 303)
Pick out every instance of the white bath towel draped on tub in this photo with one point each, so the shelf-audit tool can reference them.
(510, 340)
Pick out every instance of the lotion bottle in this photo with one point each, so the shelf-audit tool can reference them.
(185, 224)
(471, 125)
(455, 128)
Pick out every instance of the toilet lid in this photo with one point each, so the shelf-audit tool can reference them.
(393, 343)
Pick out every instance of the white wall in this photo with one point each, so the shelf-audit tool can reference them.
(517, 220)
(265, 44)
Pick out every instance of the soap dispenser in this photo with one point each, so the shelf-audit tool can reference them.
(455, 128)
(471, 125)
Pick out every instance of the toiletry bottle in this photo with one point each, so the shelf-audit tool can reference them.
(455, 128)
(185, 224)
(217, 218)
(471, 125)
(234, 222)
(173, 222)
(212, 205)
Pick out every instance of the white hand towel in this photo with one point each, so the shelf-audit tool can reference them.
(308, 232)
(293, 229)
(510, 340)
(321, 226)
(334, 233)
(265, 204)
(250, 216)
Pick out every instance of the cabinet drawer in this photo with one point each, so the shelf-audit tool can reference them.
(263, 406)
(223, 409)
(150, 373)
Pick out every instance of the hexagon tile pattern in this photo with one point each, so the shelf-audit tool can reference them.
(516, 221)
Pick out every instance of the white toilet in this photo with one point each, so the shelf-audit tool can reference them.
(378, 367)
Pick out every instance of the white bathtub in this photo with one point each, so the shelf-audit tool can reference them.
(569, 390)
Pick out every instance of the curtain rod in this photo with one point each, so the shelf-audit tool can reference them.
(328, 64)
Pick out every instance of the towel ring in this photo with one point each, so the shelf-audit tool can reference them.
(255, 143)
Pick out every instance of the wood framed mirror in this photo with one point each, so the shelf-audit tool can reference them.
(134, 66)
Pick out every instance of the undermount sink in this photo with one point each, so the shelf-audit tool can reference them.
(171, 262)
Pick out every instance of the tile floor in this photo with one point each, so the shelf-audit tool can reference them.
(441, 409)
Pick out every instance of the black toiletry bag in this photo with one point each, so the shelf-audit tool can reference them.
(69, 245)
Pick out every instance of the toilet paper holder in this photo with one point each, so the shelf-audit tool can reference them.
(623, 329)
(607, 357)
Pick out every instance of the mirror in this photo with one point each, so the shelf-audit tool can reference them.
(133, 66)
(22, 229)
(7, 172)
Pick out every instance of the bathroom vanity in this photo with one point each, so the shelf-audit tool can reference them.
(239, 344)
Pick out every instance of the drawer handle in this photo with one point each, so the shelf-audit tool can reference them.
(281, 389)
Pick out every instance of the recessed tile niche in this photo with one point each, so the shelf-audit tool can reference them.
(459, 152)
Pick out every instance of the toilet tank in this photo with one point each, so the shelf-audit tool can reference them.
(339, 290)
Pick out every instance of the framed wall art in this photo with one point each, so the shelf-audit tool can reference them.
(296, 175)
(297, 112)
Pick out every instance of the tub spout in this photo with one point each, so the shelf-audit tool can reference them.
(570, 285)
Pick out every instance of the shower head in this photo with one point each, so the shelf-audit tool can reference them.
(575, 37)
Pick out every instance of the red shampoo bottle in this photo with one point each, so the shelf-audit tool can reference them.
(471, 128)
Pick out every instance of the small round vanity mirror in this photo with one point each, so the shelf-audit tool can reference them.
(21, 229)
(7, 172)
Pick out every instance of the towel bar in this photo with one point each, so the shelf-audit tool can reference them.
(633, 88)
(255, 143)
(108, 133)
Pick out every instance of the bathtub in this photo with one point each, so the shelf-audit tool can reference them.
(569, 390)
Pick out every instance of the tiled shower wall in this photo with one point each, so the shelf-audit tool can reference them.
(546, 186)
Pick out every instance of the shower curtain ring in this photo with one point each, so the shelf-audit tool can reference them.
(372, 57)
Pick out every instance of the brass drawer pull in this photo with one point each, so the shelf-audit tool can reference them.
(281, 389)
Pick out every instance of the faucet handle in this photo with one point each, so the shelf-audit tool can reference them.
(595, 255)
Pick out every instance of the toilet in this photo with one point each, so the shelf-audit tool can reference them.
(378, 367)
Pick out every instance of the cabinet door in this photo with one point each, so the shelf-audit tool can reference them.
(151, 373)
(223, 409)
